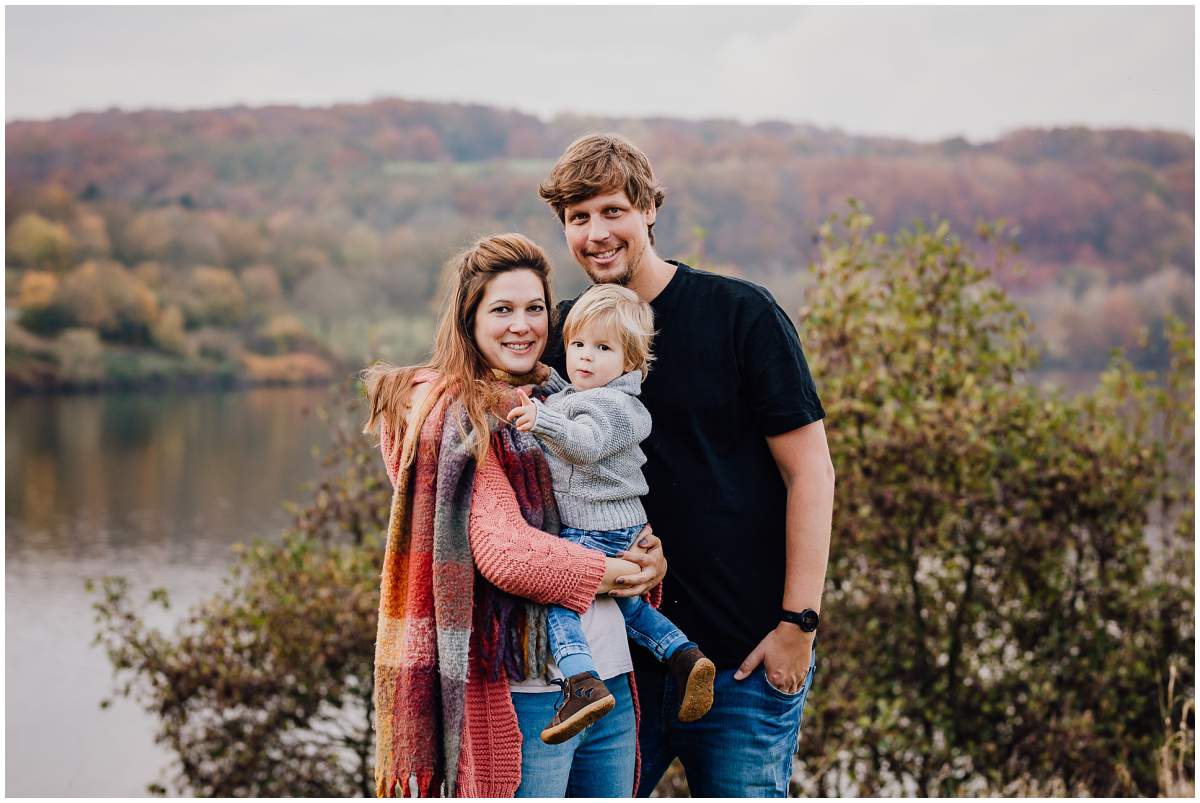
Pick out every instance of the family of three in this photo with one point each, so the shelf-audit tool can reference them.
(545, 462)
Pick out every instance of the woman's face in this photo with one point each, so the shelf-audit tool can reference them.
(512, 320)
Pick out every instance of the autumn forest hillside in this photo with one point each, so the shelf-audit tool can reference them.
(281, 244)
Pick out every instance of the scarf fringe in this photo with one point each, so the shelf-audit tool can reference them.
(411, 784)
(512, 634)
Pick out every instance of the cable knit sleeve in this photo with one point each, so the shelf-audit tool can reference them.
(523, 560)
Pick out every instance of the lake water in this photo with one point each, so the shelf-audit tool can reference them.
(153, 487)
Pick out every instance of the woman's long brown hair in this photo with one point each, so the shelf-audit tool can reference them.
(460, 366)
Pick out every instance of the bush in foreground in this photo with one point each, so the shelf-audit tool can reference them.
(1011, 587)
(265, 690)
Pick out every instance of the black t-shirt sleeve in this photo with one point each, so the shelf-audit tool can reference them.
(778, 383)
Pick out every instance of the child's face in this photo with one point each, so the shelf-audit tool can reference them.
(594, 357)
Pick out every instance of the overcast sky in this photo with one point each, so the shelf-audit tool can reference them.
(924, 73)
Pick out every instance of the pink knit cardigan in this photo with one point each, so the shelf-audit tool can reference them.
(527, 562)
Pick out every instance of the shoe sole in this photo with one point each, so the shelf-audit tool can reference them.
(557, 734)
(698, 693)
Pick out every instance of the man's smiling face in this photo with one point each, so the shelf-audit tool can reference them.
(608, 236)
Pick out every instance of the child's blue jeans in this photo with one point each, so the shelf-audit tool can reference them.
(643, 623)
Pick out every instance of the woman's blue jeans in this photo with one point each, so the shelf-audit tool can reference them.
(743, 747)
(598, 762)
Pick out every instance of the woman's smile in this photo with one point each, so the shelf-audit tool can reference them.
(511, 321)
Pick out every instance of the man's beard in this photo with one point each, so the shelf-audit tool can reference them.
(623, 278)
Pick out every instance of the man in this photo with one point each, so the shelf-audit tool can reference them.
(741, 484)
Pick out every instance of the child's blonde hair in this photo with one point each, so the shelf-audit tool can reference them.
(619, 310)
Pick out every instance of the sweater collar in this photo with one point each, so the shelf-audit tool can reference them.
(629, 382)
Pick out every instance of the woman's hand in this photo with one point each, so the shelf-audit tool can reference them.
(615, 570)
(647, 553)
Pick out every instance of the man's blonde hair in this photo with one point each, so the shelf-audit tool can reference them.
(619, 310)
(598, 164)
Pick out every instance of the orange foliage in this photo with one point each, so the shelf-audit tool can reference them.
(286, 368)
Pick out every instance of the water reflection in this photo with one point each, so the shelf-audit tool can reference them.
(93, 476)
(155, 488)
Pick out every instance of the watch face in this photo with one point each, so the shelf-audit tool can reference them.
(809, 620)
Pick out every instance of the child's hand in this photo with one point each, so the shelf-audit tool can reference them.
(523, 417)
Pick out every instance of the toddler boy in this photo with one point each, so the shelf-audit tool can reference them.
(591, 430)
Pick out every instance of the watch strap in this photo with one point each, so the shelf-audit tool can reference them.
(807, 619)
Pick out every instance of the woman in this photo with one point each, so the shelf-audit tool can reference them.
(459, 660)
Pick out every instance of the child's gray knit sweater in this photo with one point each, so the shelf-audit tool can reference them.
(591, 439)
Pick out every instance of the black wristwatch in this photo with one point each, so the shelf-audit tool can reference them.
(807, 620)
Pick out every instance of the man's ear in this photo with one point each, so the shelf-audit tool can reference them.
(650, 214)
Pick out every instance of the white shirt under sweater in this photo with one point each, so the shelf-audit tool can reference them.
(602, 623)
(604, 629)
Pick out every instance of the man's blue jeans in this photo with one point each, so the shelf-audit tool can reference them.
(643, 623)
(743, 747)
(596, 762)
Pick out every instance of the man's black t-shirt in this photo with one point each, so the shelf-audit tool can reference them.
(729, 371)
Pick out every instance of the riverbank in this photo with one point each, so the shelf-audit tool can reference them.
(78, 362)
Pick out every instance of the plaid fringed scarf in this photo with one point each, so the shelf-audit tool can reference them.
(432, 596)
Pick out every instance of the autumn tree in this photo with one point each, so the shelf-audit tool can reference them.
(214, 296)
(37, 293)
(167, 332)
(261, 283)
(241, 241)
(361, 246)
(1010, 589)
(282, 334)
(104, 296)
(32, 241)
(90, 234)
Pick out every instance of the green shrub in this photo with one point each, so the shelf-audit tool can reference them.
(1011, 585)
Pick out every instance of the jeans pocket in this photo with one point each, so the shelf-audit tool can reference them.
(800, 692)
